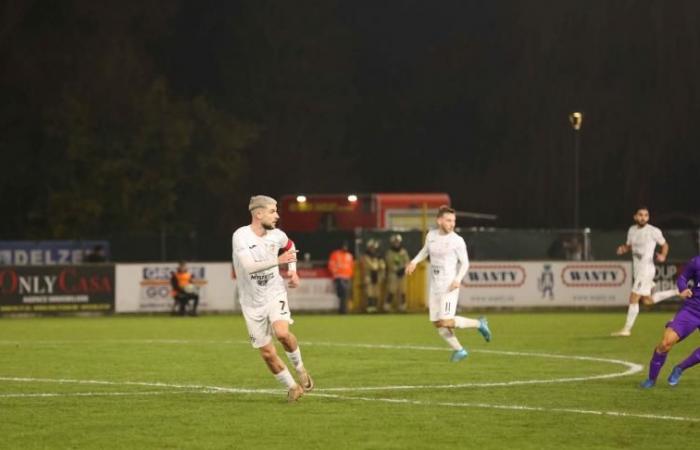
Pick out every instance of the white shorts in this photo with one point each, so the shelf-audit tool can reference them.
(259, 320)
(644, 282)
(443, 305)
(643, 286)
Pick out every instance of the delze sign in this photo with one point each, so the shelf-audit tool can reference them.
(39, 253)
(55, 289)
(546, 283)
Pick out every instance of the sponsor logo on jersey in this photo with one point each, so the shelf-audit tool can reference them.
(262, 279)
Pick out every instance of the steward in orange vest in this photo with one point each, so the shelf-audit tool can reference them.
(341, 264)
(184, 290)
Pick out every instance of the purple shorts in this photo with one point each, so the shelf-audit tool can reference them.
(684, 322)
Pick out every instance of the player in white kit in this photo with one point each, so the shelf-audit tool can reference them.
(258, 250)
(448, 266)
(642, 239)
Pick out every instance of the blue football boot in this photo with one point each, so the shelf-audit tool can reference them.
(647, 384)
(484, 329)
(675, 376)
(458, 355)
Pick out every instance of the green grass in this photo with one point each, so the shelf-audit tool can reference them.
(158, 369)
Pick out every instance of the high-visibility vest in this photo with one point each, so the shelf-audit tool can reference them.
(341, 264)
(183, 279)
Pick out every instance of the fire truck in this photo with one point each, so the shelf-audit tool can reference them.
(348, 212)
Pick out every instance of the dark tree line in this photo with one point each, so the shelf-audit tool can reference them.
(129, 117)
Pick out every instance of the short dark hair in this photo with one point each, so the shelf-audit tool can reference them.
(641, 207)
(444, 209)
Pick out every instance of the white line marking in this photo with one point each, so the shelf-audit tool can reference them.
(632, 368)
(511, 407)
(93, 394)
(199, 389)
(194, 387)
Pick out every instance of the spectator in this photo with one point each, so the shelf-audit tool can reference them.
(341, 265)
(396, 259)
(184, 289)
(372, 274)
(573, 249)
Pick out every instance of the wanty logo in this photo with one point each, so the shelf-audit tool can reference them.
(494, 275)
(593, 275)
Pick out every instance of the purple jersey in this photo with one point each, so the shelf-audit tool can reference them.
(691, 272)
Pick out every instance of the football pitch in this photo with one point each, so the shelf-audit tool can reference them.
(547, 380)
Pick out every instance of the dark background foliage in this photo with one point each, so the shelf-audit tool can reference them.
(127, 116)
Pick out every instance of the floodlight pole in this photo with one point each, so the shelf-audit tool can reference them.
(576, 119)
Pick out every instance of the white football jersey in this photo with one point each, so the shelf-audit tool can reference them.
(257, 289)
(643, 243)
(448, 252)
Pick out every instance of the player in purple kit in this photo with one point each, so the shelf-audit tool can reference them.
(686, 320)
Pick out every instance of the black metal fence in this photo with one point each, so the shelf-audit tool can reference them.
(482, 243)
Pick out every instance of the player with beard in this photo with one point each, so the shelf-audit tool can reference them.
(642, 239)
(448, 266)
(258, 251)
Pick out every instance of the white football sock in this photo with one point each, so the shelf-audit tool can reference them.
(450, 338)
(663, 295)
(286, 378)
(295, 359)
(632, 313)
(464, 322)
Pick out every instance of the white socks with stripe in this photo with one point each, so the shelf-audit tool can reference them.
(450, 338)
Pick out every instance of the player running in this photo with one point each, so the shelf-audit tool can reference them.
(642, 239)
(263, 295)
(686, 320)
(448, 266)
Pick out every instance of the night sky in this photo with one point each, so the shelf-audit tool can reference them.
(123, 117)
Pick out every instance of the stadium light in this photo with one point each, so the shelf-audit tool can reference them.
(576, 119)
(352, 198)
(301, 198)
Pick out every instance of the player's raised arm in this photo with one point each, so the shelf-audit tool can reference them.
(250, 265)
(292, 266)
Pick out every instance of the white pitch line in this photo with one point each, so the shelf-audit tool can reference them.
(94, 394)
(510, 407)
(198, 389)
(194, 387)
(632, 368)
